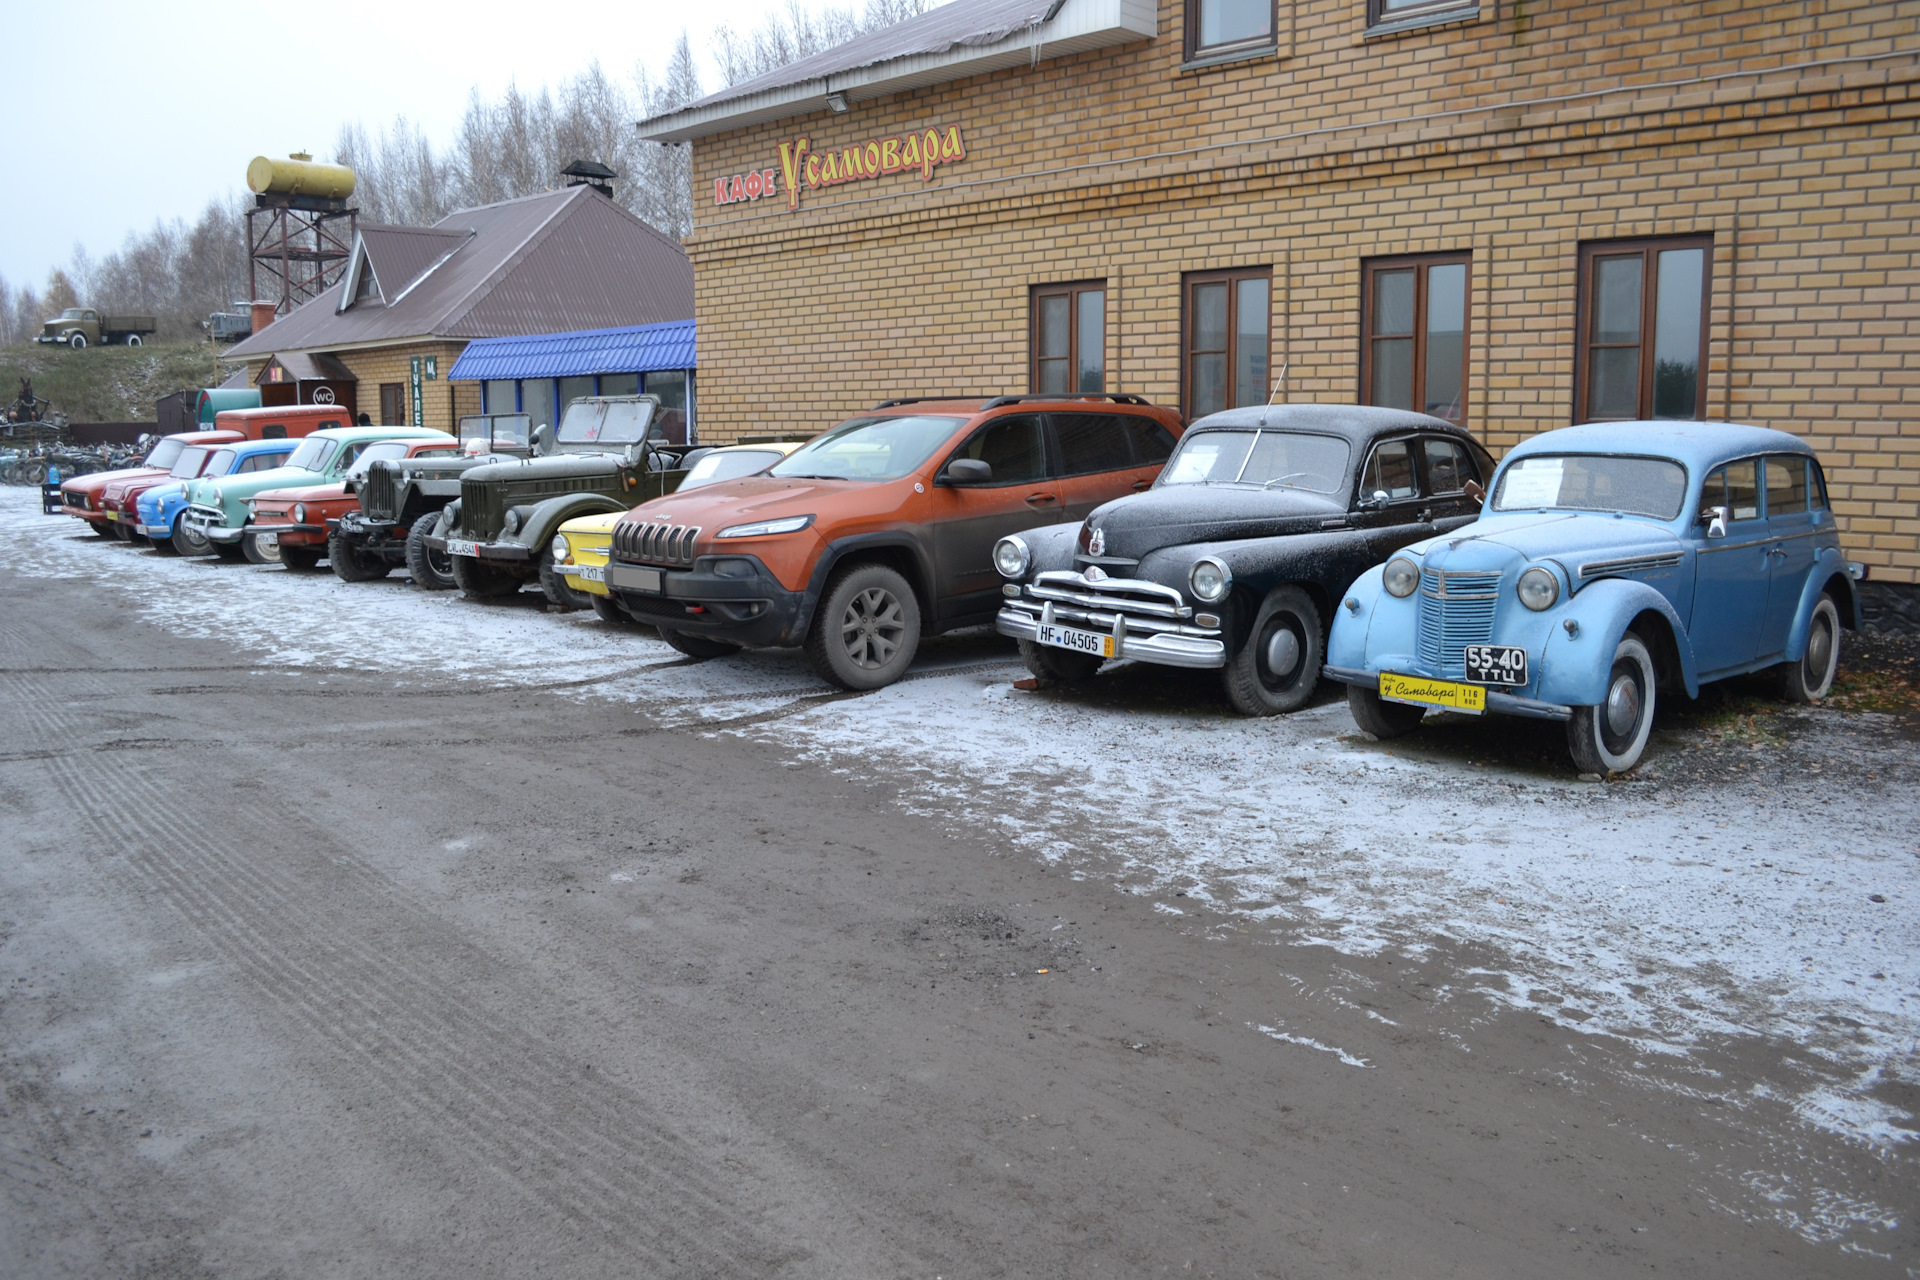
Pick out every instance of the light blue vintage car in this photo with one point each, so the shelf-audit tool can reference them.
(1611, 561)
(161, 507)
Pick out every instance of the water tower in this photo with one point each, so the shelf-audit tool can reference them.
(300, 229)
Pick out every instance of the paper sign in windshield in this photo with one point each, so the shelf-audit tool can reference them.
(1532, 482)
(1194, 464)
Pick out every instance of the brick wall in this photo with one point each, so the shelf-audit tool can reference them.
(443, 403)
(1784, 131)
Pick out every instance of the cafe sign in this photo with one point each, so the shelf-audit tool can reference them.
(803, 168)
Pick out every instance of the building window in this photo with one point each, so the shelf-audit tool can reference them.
(1643, 329)
(1069, 341)
(393, 404)
(500, 396)
(1413, 334)
(572, 389)
(1228, 26)
(1226, 340)
(1384, 12)
(619, 384)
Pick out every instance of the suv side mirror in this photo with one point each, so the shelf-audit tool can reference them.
(1375, 501)
(1715, 518)
(967, 471)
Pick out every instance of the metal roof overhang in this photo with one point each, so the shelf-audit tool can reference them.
(1079, 26)
(645, 348)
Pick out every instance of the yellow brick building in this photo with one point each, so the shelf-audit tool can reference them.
(1514, 214)
(383, 341)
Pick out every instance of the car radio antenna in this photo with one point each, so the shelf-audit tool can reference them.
(1279, 384)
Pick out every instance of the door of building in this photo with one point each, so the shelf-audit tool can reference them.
(393, 404)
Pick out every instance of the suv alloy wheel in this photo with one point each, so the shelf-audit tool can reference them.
(867, 630)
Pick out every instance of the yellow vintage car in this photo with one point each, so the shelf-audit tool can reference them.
(583, 545)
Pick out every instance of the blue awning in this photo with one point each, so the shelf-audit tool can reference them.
(641, 348)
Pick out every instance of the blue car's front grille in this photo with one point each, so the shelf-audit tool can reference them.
(1456, 610)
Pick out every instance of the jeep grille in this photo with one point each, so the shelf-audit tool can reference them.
(648, 543)
(380, 491)
(483, 510)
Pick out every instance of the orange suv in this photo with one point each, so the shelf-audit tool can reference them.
(879, 531)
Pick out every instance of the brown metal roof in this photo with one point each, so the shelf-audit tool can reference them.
(399, 256)
(547, 263)
(309, 366)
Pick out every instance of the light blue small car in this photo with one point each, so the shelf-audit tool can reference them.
(161, 507)
(1611, 561)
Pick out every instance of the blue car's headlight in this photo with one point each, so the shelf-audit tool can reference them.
(1400, 577)
(1538, 588)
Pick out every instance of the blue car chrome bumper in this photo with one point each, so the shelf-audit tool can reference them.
(1504, 703)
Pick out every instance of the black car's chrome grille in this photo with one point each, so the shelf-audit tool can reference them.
(648, 542)
(1456, 610)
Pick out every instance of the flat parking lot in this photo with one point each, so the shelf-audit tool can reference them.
(359, 929)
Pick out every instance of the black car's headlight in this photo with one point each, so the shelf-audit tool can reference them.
(1400, 577)
(1538, 588)
(1210, 580)
(1012, 556)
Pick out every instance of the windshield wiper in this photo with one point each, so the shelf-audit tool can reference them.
(788, 475)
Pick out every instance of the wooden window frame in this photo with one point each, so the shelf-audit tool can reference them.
(1420, 263)
(1072, 291)
(1229, 276)
(1197, 52)
(1649, 248)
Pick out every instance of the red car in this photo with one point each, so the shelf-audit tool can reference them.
(290, 526)
(86, 496)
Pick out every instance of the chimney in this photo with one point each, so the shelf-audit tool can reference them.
(263, 314)
(590, 173)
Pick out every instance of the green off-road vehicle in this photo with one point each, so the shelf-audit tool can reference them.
(401, 502)
(608, 454)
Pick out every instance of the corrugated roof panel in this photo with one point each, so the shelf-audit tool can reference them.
(642, 348)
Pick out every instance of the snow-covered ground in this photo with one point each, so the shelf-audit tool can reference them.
(1666, 915)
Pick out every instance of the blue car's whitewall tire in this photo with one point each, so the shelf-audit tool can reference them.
(1611, 737)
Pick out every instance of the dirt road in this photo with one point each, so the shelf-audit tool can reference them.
(387, 970)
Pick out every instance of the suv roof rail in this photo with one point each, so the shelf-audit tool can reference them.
(1117, 397)
(888, 404)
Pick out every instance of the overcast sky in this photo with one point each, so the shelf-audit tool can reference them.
(120, 113)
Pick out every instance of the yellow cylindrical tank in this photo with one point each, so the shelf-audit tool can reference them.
(299, 176)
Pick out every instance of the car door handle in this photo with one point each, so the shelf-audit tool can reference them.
(1041, 499)
(1141, 486)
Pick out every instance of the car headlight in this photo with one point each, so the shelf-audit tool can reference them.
(1011, 556)
(253, 508)
(559, 548)
(1400, 577)
(512, 523)
(299, 513)
(1538, 588)
(765, 528)
(1210, 579)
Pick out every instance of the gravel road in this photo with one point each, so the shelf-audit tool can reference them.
(357, 931)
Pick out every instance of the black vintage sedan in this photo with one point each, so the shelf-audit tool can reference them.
(1241, 550)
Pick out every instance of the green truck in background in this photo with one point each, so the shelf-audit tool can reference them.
(79, 327)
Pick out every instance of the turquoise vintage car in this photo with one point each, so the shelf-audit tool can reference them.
(1611, 561)
(158, 509)
(216, 516)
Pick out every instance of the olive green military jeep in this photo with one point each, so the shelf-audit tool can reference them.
(401, 502)
(609, 454)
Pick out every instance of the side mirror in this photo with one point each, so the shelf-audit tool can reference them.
(1375, 501)
(1715, 518)
(542, 439)
(967, 471)
(1478, 494)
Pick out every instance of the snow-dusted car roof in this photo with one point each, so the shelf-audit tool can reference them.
(1696, 444)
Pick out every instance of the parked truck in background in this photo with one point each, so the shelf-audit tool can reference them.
(79, 327)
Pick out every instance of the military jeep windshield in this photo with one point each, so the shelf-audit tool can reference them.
(501, 430)
(1261, 459)
(313, 454)
(869, 449)
(392, 451)
(606, 422)
(1593, 482)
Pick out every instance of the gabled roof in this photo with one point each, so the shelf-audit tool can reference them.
(636, 349)
(965, 38)
(560, 260)
(398, 258)
(307, 367)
